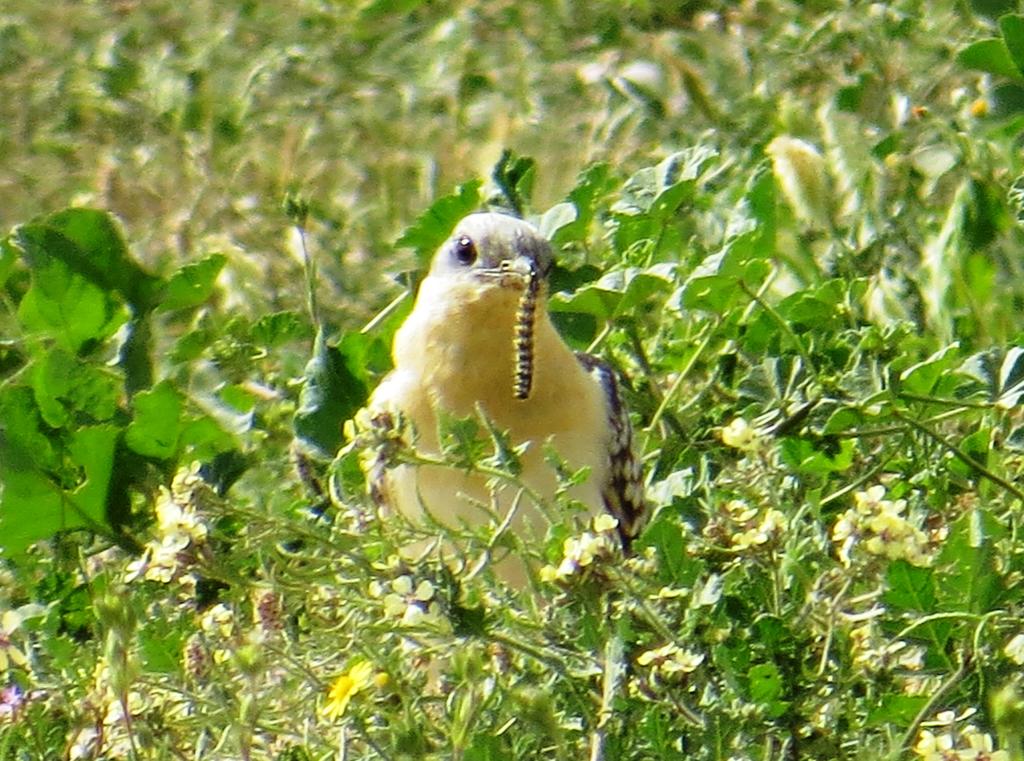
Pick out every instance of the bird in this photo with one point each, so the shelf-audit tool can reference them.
(479, 341)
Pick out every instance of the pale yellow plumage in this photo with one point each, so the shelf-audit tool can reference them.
(455, 353)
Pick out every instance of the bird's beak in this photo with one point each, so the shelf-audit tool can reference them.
(523, 266)
(511, 273)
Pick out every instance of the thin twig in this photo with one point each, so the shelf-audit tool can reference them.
(937, 697)
(965, 458)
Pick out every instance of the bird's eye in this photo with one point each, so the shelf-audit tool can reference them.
(465, 250)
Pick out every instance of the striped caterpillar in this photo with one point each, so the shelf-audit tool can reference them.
(525, 314)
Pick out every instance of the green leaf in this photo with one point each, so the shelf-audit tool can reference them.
(89, 242)
(898, 710)
(923, 377)
(203, 439)
(8, 258)
(513, 175)
(372, 13)
(135, 356)
(33, 507)
(161, 648)
(660, 190)
(93, 449)
(844, 419)
(1000, 373)
(765, 682)
(977, 446)
(715, 284)
(577, 328)
(989, 55)
(433, 226)
(68, 307)
(461, 440)
(970, 581)
(594, 183)
(760, 203)
(818, 457)
(62, 385)
(675, 566)
(21, 428)
(617, 291)
(156, 424)
(278, 328)
(1006, 101)
(909, 588)
(193, 284)
(556, 219)
(1012, 27)
(333, 390)
(238, 397)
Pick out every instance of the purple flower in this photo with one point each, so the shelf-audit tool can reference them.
(11, 699)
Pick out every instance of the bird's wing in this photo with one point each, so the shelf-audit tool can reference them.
(623, 491)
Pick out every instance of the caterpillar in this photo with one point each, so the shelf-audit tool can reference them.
(525, 314)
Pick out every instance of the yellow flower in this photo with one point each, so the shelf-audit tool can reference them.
(356, 679)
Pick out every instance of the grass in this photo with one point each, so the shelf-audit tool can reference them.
(795, 227)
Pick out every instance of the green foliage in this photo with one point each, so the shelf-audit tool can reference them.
(434, 225)
(67, 410)
(794, 226)
(333, 390)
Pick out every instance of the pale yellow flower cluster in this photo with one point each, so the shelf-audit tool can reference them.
(751, 527)
(409, 602)
(881, 528)
(873, 653)
(218, 621)
(180, 534)
(670, 661)
(579, 553)
(109, 736)
(948, 742)
(219, 628)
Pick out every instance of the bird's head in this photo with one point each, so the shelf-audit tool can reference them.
(494, 250)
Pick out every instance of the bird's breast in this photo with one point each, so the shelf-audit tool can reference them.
(456, 353)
